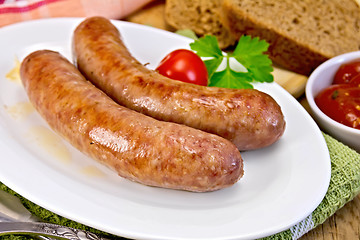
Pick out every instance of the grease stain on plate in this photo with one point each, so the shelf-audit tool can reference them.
(14, 74)
(51, 142)
(92, 171)
(20, 110)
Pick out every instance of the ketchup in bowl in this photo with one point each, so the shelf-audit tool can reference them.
(341, 100)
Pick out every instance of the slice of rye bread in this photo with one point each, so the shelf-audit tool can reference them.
(302, 34)
(201, 16)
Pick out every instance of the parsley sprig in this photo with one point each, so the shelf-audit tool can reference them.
(249, 52)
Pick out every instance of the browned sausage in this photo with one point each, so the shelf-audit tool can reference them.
(138, 147)
(249, 118)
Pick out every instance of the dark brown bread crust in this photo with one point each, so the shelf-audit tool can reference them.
(302, 34)
(201, 16)
(282, 50)
(138, 147)
(249, 118)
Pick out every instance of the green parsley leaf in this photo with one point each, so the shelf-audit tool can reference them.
(248, 52)
(212, 65)
(228, 77)
(207, 47)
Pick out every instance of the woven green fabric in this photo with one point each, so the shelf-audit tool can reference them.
(344, 186)
(50, 217)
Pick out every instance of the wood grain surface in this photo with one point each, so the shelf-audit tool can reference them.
(345, 223)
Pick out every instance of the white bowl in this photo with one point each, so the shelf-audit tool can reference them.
(320, 78)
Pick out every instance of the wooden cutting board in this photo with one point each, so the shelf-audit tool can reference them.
(292, 82)
(153, 15)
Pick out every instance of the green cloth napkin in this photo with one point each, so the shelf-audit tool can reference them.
(344, 186)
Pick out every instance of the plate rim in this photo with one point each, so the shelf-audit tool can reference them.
(72, 21)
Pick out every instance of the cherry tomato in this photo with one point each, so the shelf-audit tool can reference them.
(341, 102)
(184, 65)
(346, 72)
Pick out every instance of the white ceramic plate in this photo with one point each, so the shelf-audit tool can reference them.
(282, 185)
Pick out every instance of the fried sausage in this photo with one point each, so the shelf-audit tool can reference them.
(249, 118)
(138, 147)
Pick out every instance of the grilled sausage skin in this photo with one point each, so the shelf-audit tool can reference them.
(249, 118)
(137, 147)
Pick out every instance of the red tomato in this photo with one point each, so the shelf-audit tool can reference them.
(346, 72)
(184, 65)
(341, 102)
(355, 81)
